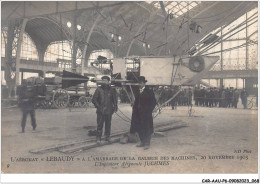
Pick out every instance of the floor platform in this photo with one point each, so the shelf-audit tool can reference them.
(213, 140)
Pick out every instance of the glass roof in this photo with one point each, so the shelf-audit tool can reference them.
(177, 8)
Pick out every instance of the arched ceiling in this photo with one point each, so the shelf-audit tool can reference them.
(136, 22)
(43, 31)
(29, 9)
(99, 41)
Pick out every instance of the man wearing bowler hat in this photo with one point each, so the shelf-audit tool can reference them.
(105, 101)
(142, 118)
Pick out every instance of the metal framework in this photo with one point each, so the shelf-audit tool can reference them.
(162, 25)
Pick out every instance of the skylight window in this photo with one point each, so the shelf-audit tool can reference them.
(177, 8)
(157, 5)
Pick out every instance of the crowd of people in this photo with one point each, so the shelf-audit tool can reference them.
(219, 97)
(214, 97)
(105, 101)
(207, 97)
(183, 98)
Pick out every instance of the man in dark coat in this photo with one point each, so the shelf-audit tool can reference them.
(189, 97)
(210, 97)
(203, 96)
(223, 97)
(196, 95)
(229, 97)
(105, 101)
(243, 96)
(27, 96)
(174, 100)
(142, 118)
(215, 91)
(235, 97)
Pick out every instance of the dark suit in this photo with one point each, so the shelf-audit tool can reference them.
(105, 100)
(26, 103)
(244, 96)
(142, 118)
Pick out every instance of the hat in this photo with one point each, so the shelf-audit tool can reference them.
(142, 79)
(105, 77)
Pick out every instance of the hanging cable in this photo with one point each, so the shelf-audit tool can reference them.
(233, 29)
(124, 114)
(230, 31)
(233, 48)
(232, 12)
(122, 118)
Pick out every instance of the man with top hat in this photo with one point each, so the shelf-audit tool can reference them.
(105, 101)
(142, 118)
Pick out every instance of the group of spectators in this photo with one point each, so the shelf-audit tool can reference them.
(207, 97)
(214, 97)
(219, 97)
(183, 98)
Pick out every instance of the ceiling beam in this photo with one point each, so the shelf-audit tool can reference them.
(163, 9)
(35, 8)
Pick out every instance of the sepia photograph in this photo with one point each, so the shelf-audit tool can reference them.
(130, 87)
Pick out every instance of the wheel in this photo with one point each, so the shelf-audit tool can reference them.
(72, 102)
(47, 104)
(83, 101)
(61, 98)
(249, 104)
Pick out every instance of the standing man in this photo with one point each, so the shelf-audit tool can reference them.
(174, 100)
(196, 95)
(243, 96)
(142, 118)
(203, 96)
(105, 101)
(223, 98)
(235, 98)
(27, 95)
(210, 97)
(189, 97)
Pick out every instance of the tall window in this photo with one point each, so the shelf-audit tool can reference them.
(3, 41)
(252, 33)
(28, 49)
(58, 50)
(239, 44)
(61, 52)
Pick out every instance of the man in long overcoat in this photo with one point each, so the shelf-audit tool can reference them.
(142, 118)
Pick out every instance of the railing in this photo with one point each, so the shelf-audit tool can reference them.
(35, 62)
(217, 67)
(56, 65)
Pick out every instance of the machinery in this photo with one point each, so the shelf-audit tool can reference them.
(159, 71)
(59, 92)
